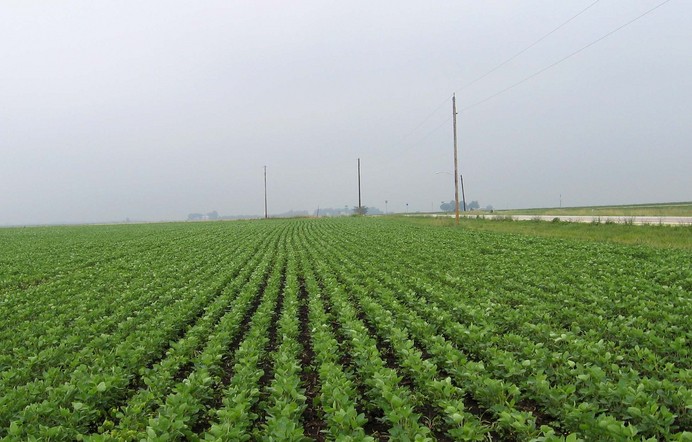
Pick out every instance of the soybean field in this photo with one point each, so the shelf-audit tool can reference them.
(349, 329)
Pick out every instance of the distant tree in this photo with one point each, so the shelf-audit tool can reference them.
(447, 207)
(195, 217)
(489, 208)
(362, 210)
(330, 211)
(473, 205)
(213, 215)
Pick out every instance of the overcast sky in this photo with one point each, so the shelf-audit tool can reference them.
(152, 110)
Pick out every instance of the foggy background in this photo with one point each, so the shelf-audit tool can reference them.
(154, 110)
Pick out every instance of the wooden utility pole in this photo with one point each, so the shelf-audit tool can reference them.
(266, 215)
(456, 159)
(360, 207)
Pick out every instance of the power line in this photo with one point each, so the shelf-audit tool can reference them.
(537, 73)
(446, 100)
(430, 132)
(527, 48)
(405, 139)
(425, 120)
(411, 145)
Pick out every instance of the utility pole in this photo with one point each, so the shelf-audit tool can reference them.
(265, 193)
(360, 207)
(456, 158)
(463, 195)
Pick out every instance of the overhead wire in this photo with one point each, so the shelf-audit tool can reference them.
(583, 48)
(512, 86)
(411, 144)
(527, 48)
(425, 120)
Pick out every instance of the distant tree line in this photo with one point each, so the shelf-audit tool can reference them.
(473, 205)
(345, 211)
(203, 216)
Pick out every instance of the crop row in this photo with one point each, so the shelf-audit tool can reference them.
(343, 329)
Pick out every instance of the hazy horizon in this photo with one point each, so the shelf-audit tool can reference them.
(151, 111)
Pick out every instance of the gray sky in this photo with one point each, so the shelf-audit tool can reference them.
(152, 110)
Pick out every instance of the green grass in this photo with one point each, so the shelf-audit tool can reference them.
(658, 209)
(673, 237)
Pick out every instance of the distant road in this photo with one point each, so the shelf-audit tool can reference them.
(639, 220)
